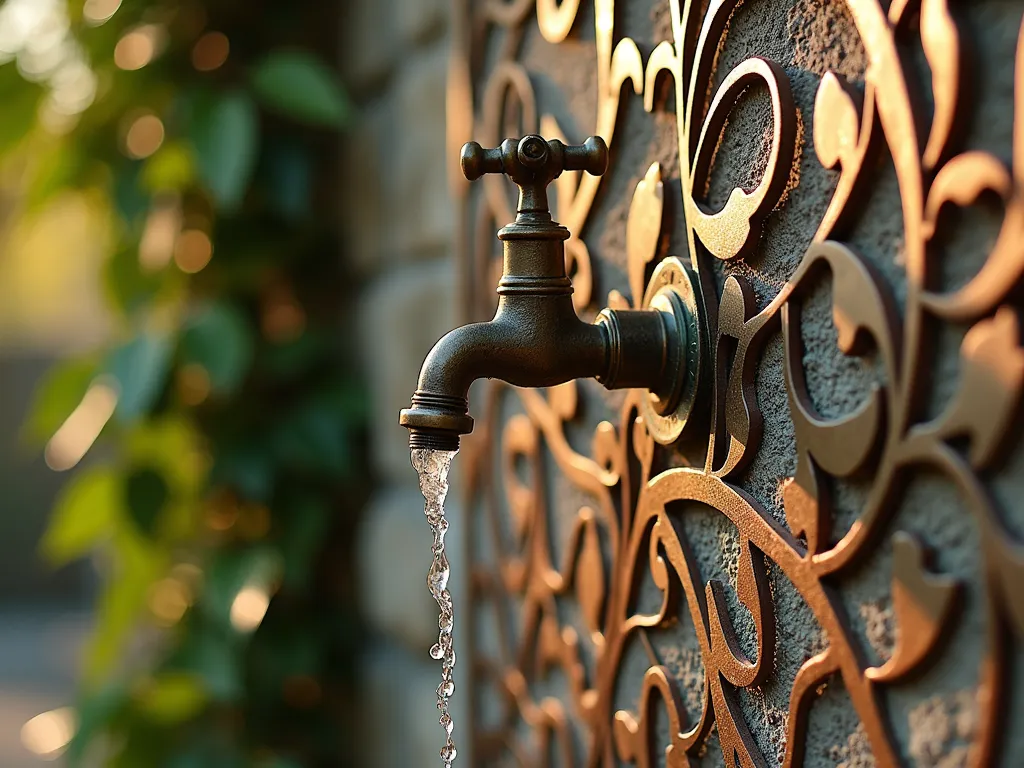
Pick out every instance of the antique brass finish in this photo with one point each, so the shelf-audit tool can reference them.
(536, 338)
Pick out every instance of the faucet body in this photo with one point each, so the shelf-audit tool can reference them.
(535, 338)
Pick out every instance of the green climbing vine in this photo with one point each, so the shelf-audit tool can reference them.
(214, 445)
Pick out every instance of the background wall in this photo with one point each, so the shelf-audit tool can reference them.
(398, 218)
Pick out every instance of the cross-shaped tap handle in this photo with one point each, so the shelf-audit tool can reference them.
(533, 163)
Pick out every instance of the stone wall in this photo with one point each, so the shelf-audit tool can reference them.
(397, 221)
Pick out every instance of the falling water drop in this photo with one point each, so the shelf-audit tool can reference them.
(433, 467)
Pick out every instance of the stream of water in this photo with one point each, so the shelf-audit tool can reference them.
(433, 467)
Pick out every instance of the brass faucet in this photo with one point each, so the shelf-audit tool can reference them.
(536, 338)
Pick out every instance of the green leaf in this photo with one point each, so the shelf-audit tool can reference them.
(173, 698)
(220, 339)
(215, 657)
(308, 521)
(299, 85)
(172, 446)
(85, 513)
(146, 493)
(57, 396)
(225, 135)
(172, 168)
(21, 105)
(123, 601)
(314, 438)
(140, 367)
(57, 164)
(248, 468)
(290, 180)
(130, 200)
(95, 711)
(128, 286)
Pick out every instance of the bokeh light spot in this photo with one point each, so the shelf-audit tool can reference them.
(193, 384)
(283, 319)
(79, 431)
(144, 136)
(96, 12)
(47, 735)
(249, 608)
(210, 51)
(193, 251)
(168, 600)
(160, 233)
(137, 48)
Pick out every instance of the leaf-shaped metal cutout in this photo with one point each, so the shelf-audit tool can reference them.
(922, 602)
(590, 574)
(643, 228)
(836, 121)
(990, 390)
(941, 42)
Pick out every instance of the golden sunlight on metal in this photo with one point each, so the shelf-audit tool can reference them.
(211, 51)
(139, 47)
(96, 12)
(193, 251)
(249, 608)
(47, 735)
(145, 136)
(79, 431)
(161, 233)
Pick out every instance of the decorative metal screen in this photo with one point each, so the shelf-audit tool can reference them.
(826, 569)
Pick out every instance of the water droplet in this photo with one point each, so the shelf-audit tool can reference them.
(446, 688)
(448, 753)
(437, 578)
(436, 652)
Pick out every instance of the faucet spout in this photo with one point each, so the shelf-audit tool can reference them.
(533, 341)
(536, 339)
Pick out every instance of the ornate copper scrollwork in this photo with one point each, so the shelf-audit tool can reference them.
(631, 527)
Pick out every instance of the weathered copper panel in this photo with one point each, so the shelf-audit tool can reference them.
(827, 569)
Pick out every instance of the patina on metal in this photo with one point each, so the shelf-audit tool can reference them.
(536, 338)
(631, 527)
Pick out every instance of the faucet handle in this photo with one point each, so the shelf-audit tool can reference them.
(533, 163)
(590, 156)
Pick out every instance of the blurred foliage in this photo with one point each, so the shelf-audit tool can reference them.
(230, 470)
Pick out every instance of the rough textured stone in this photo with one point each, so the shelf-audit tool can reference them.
(394, 555)
(401, 316)
(399, 719)
(370, 42)
(397, 207)
(421, 20)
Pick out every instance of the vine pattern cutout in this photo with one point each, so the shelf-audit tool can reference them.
(632, 526)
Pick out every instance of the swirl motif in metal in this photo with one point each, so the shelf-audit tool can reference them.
(632, 531)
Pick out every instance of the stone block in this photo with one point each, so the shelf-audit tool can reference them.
(395, 202)
(370, 43)
(399, 716)
(400, 317)
(420, 21)
(393, 558)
